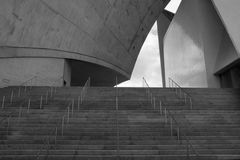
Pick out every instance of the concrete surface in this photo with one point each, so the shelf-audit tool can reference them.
(106, 33)
(198, 44)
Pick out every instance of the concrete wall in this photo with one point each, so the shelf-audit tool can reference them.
(103, 32)
(163, 23)
(229, 13)
(197, 45)
(15, 71)
(67, 73)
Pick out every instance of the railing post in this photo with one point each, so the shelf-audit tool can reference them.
(46, 97)
(20, 113)
(180, 93)
(154, 103)
(72, 106)
(19, 91)
(188, 151)
(8, 124)
(185, 98)
(82, 96)
(25, 87)
(68, 114)
(11, 98)
(160, 107)
(29, 103)
(78, 103)
(151, 96)
(63, 124)
(171, 126)
(191, 107)
(56, 133)
(178, 134)
(3, 101)
(165, 112)
(41, 102)
(51, 92)
(117, 116)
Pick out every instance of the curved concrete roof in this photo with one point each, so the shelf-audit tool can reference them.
(105, 32)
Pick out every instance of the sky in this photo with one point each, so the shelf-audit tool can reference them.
(148, 62)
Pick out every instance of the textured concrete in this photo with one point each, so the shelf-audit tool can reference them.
(15, 71)
(106, 33)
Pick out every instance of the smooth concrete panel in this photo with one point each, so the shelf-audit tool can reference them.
(197, 45)
(229, 12)
(15, 71)
(163, 23)
(183, 49)
(227, 54)
(108, 33)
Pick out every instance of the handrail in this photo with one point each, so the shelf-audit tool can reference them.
(186, 95)
(173, 118)
(68, 103)
(145, 81)
(29, 80)
(184, 134)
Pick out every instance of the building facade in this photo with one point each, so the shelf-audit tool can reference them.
(202, 44)
(73, 39)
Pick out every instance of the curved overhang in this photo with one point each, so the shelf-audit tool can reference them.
(31, 52)
(106, 33)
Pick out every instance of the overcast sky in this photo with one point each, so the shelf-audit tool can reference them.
(148, 62)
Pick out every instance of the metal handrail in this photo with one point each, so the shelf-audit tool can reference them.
(173, 84)
(176, 84)
(29, 80)
(174, 119)
(184, 134)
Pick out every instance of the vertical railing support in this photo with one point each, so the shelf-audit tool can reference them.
(56, 133)
(82, 96)
(63, 119)
(154, 103)
(25, 87)
(3, 102)
(185, 98)
(171, 126)
(8, 124)
(190, 100)
(51, 92)
(165, 113)
(29, 104)
(68, 113)
(151, 98)
(117, 127)
(72, 106)
(178, 134)
(160, 107)
(19, 91)
(46, 97)
(78, 103)
(19, 113)
(11, 98)
(41, 102)
(188, 149)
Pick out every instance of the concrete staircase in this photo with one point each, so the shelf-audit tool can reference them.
(132, 130)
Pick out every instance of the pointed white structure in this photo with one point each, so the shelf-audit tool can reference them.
(202, 44)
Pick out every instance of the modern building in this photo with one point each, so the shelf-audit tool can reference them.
(63, 42)
(201, 47)
(73, 39)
